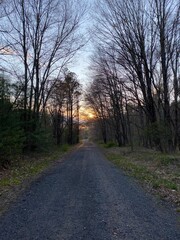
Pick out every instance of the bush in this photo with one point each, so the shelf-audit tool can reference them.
(11, 133)
(110, 144)
(65, 147)
(11, 143)
(39, 140)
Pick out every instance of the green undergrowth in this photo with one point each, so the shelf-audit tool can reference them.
(109, 145)
(158, 171)
(141, 172)
(31, 165)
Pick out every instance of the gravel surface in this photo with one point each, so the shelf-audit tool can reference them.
(86, 197)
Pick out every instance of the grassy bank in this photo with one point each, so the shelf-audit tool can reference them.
(160, 173)
(24, 170)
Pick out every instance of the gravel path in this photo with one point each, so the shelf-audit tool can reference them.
(86, 197)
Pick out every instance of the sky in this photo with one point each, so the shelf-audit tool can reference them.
(80, 66)
(81, 62)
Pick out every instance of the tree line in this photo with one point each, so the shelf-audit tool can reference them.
(39, 96)
(135, 71)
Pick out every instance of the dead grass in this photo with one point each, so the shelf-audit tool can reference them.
(159, 172)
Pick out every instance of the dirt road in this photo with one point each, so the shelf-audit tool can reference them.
(86, 197)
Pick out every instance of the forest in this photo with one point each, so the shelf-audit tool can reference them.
(134, 91)
(39, 95)
(135, 88)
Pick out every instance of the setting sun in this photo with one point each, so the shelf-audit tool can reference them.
(86, 114)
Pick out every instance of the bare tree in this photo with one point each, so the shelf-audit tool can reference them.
(72, 89)
(63, 106)
(142, 36)
(56, 108)
(126, 27)
(166, 21)
(105, 67)
(43, 36)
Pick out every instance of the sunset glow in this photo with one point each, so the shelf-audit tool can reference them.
(86, 114)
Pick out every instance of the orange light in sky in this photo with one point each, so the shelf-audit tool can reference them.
(86, 114)
(91, 115)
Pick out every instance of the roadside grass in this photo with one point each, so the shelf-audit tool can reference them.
(25, 167)
(159, 172)
(23, 170)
